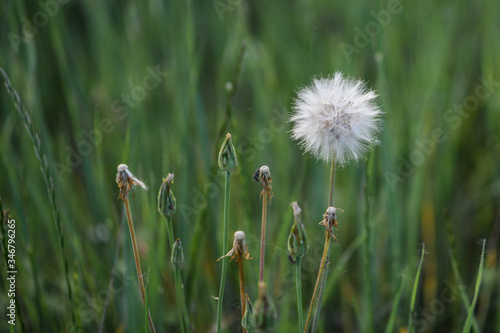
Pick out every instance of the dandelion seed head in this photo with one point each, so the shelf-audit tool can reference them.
(336, 117)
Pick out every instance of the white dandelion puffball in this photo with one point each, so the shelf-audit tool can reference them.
(336, 118)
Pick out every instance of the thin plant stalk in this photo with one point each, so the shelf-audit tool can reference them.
(137, 261)
(298, 281)
(242, 287)
(327, 240)
(47, 177)
(178, 290)
(224, 248)
(185, 312)
(319, 278)
(263, 235)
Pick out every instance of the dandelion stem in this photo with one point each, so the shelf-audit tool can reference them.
(332, 184)
(323, 279)
(263, 235)
(170, 231)
(242, 287)
(224, 249)
(137, 260)
(178, 290)
(185, 312)
(298, 280)
(319, 278)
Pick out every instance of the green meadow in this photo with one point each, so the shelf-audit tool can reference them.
(158, 84)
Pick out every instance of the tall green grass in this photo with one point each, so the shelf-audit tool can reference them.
(430, 57)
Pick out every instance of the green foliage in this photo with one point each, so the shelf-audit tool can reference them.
(157, 85)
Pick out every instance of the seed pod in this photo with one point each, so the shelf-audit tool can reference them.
(297, 240)
(227, 155)
(177, 257)
(166, 198)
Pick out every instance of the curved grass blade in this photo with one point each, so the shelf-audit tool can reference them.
(470, 315)
(415, 288)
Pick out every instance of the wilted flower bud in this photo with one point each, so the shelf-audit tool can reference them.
(297, 240)
(126, 180)
(177, 257)
(263, 174)
(330, 220)
(240, 248)
(264, 313)
(166, 198)
(227, 155)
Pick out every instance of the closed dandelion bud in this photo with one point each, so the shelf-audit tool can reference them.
(297, 240)
(227, 155)
(264, 312)
(166, 198)
(177, 257)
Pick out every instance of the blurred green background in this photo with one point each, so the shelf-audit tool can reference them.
(83, 70)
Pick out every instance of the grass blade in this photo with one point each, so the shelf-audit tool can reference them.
(394, 311)
(470, 315)
(415, 289)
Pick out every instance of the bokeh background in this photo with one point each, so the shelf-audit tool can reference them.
(157, 84)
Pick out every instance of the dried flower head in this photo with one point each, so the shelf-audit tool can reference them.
(336, 118)
(240, 248)
(330, 220)
(166, 198)
(263, 174)
(177, 257)
(297, 240)
(126, 181)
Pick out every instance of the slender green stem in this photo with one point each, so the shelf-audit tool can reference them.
(185, 312)
(224, 249)
(415, 289)
(319, 278)
(178, 291)
(263, 236)
(332, 184)
(242, 288)
(298, 280)
(470, 312)
(170, 231)
(365, 255)
(137, 261)
(323, 278)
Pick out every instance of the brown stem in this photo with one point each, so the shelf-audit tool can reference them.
(137, 261)
(242, 288)
(263, 235)
(319, 278)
